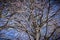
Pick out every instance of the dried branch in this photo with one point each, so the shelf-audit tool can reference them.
(47, 21)
(54, 14)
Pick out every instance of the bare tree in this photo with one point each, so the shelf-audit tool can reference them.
(39, 14)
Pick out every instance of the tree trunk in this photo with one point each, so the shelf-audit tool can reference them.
(37, 33)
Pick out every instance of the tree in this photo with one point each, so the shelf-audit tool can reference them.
(39, 19)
